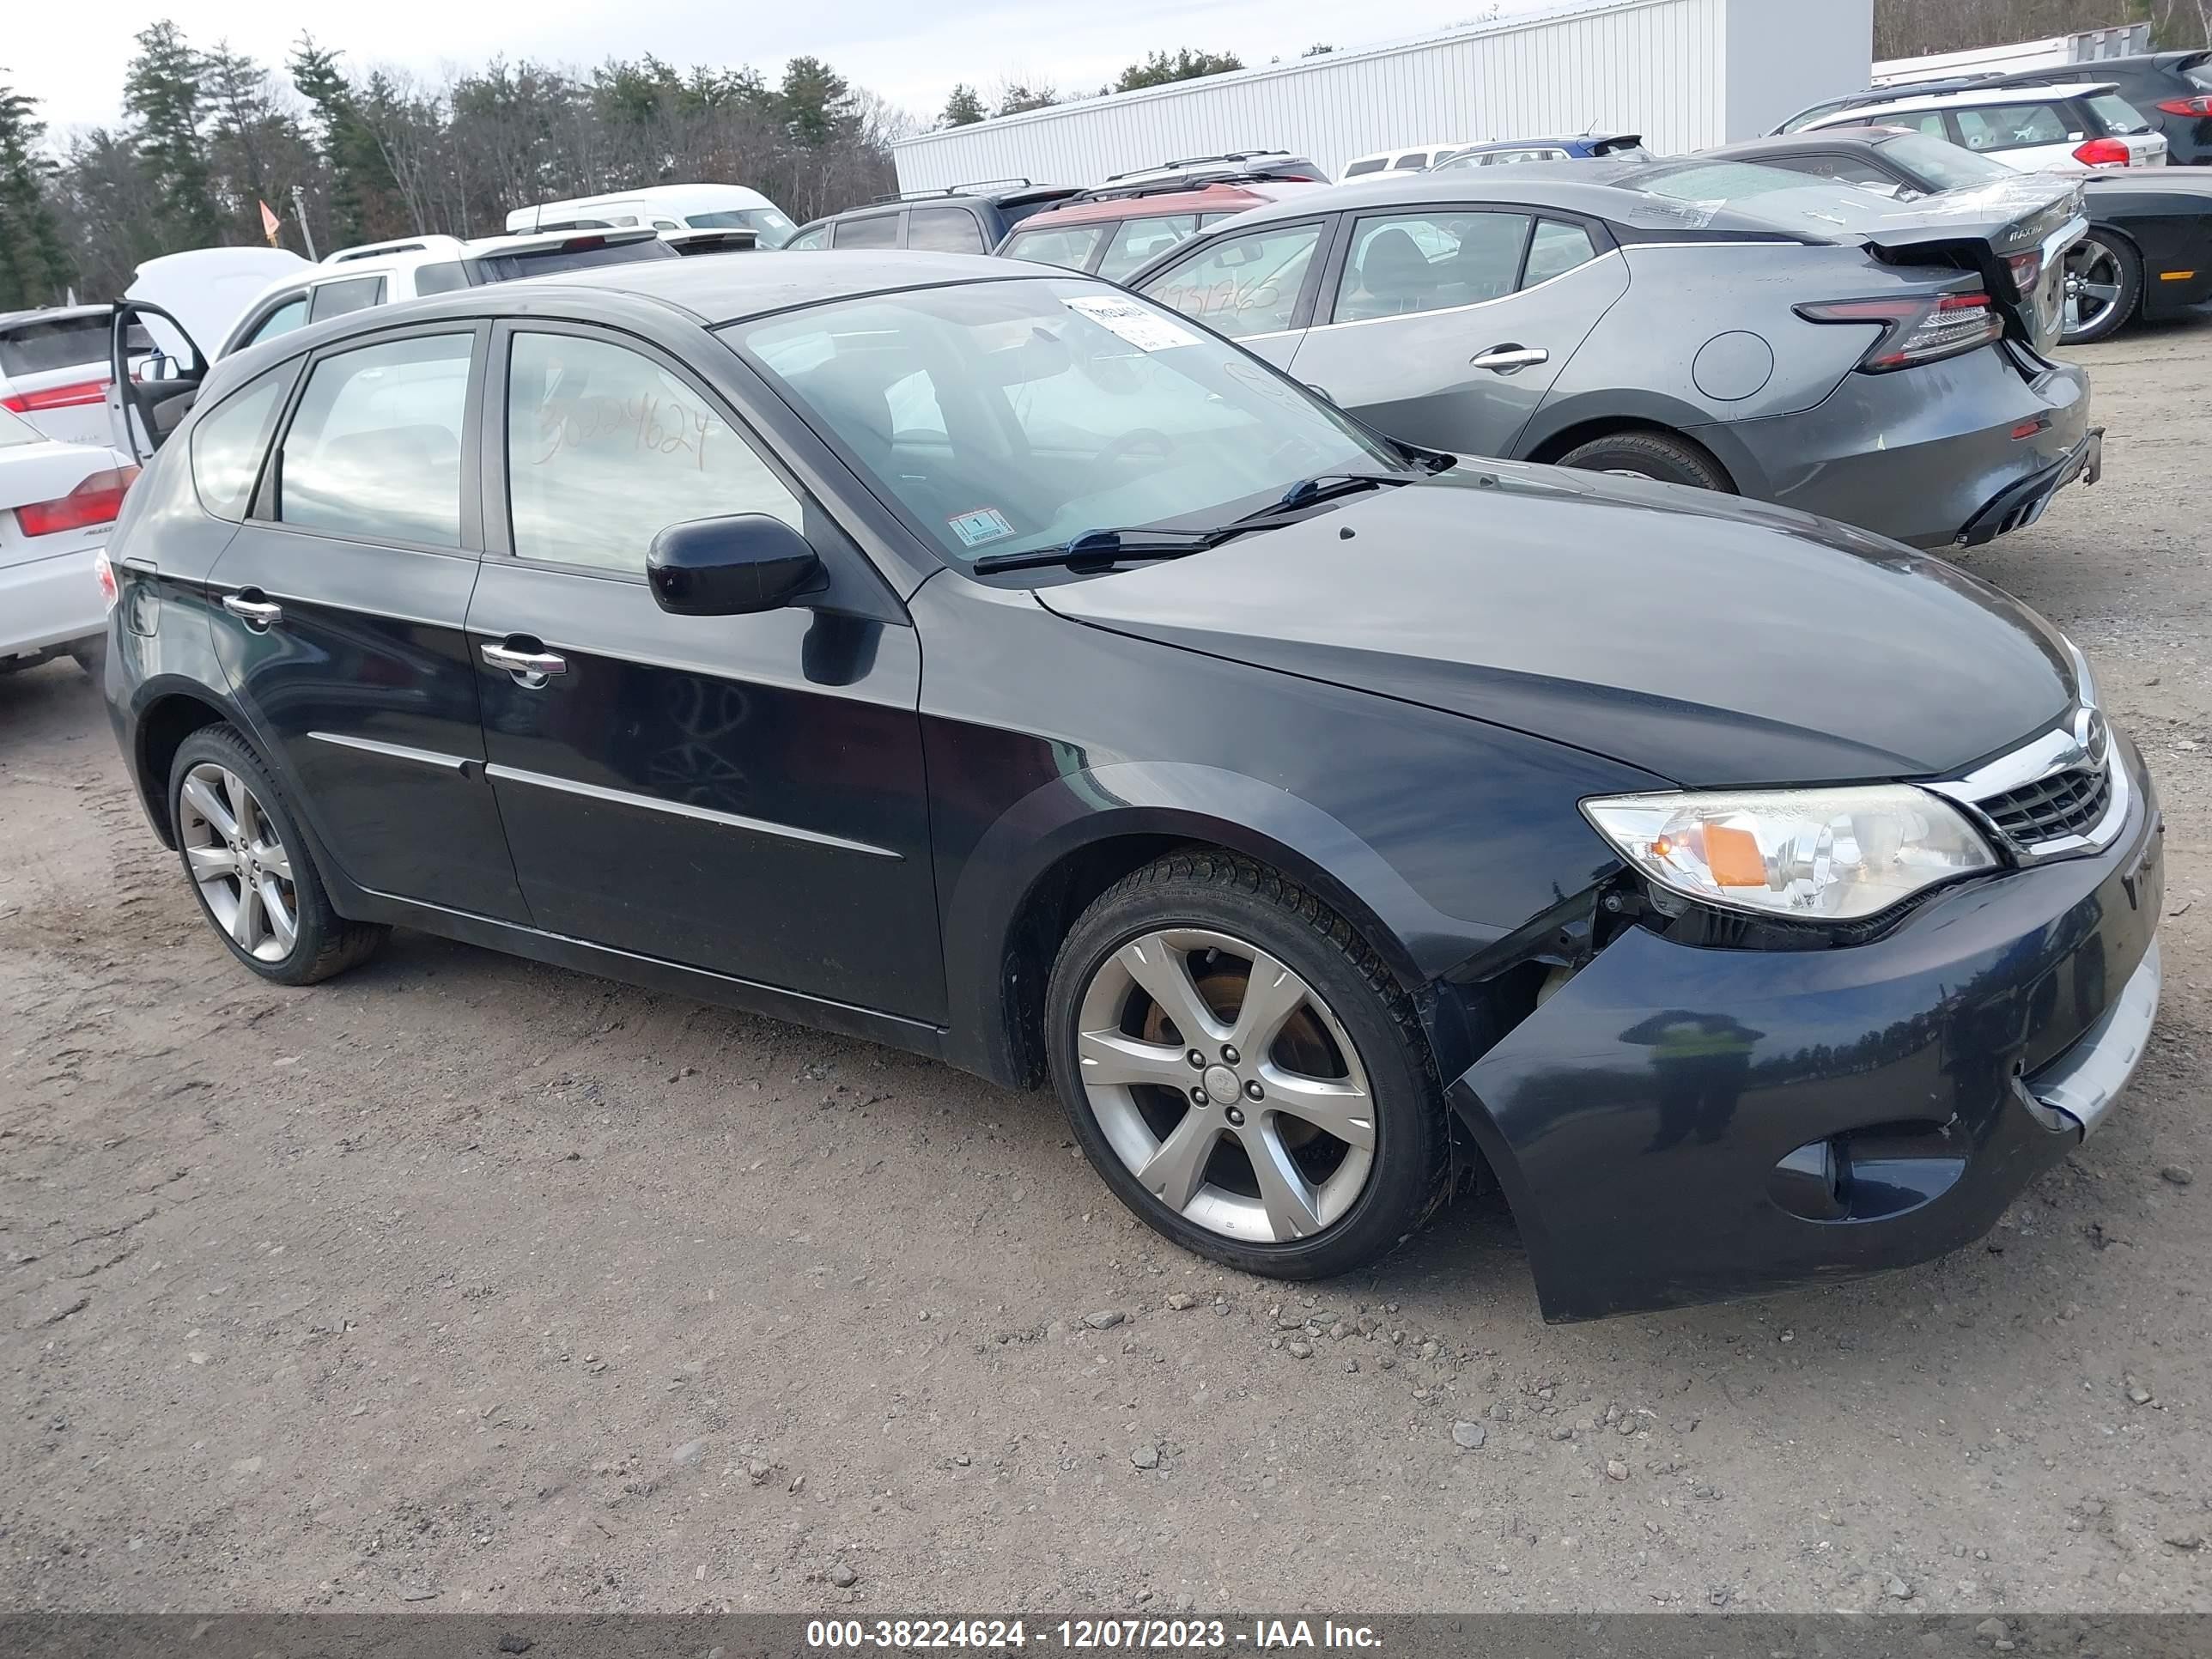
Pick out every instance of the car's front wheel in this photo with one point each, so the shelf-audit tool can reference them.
(250, 867)
(1242, 1070)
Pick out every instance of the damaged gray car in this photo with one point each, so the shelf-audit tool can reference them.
(1821, 345)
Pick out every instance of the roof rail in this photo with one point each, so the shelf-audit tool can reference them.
(972, 188)
(374, 251)
(1110, 191)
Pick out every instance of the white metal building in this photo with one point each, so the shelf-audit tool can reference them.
(1684, 73)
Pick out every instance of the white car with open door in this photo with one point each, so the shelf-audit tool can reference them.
(57, 503)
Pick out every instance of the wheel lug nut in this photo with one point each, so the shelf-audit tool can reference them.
(1197, 1060)
(1228, 1055)
(1235, 1118)
(1198, 1096)
(1252, 1091)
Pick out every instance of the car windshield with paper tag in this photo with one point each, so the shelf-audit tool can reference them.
(1007, 417)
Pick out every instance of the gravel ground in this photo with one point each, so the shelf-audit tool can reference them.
(477, 1285)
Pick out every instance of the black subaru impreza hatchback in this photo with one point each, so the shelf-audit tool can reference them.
(992, 664)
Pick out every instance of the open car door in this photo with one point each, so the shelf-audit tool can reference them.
(148, 396)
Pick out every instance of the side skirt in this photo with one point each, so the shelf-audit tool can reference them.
(649, 972)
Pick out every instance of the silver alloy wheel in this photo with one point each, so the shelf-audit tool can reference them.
(2093, 284)
(1226, 1085)
(239, 862)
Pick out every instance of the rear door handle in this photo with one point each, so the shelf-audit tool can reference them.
(1504, 359)
(529, 668)
(256, 613)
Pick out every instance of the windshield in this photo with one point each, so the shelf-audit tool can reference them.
(770, 227)
(2116, 113)
(1005, 416)
(1944, 165)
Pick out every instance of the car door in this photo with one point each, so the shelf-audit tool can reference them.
(739, 793)
(1255, 286)
(1446, 326)
(339, 609)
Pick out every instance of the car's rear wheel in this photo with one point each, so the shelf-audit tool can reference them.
(1658, 455)
(2104, 284)
(250, 868)
(1242, 1069)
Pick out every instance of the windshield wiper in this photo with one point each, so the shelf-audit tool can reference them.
(1325, 486)
(1105, 547)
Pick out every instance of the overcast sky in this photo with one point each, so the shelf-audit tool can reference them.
(71, 56)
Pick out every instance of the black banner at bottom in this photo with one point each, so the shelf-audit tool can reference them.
(981, 1636)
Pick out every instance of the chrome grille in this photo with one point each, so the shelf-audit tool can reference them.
(2068, 802)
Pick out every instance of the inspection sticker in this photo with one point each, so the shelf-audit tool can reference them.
(1141, 327)
(984, 524)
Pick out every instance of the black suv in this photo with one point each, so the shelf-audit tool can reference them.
(965, 219)
(2171, 88)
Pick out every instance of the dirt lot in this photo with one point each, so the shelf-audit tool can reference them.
(478, 1285)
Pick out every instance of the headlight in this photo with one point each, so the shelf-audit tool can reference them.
(1816, 854)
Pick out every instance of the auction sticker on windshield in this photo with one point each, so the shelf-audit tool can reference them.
(1142, 327)
(985, 523)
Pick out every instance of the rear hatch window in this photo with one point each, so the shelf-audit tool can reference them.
(40, 347)
(544, 262)
(2118, 115)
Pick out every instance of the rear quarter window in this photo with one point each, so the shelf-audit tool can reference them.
(229, 440)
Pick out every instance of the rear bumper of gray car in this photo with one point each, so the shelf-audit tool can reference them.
(1939, 455)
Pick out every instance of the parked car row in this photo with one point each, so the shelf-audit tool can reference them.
(994, 662)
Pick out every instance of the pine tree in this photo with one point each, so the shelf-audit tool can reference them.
(963, 108)
(816, 103)
(164, 94)
(34, 265)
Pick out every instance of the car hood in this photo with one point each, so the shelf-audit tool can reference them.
(1706, 640)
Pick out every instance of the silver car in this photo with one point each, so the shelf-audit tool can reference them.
(1818, 345)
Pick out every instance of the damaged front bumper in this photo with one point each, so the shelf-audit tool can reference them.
(1682, 1123)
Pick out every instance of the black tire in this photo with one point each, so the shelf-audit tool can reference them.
(2099, 246)
(325, 943)
(1409, 1176)
(1659, 455)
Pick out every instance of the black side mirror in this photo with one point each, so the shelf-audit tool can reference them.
(730, 567)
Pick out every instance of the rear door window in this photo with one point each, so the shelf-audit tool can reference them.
(2014, 126)
(1137, 241)
(443, 277)
(374, 452)
(1411, 161)
(337, 299)
(1242, 285)
(1400, 265)
(881, 231)
(1371, 164)
(944, 230)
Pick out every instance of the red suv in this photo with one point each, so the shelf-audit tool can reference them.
(1117, 229)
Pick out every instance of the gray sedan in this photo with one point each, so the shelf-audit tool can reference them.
(1715, 323)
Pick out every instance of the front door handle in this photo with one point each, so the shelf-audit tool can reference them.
(530, 669)
(1506, 358)
(259, 614)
